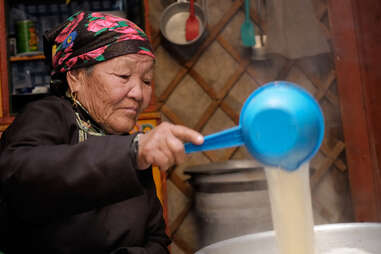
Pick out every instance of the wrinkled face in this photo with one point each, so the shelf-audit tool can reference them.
(115, 91)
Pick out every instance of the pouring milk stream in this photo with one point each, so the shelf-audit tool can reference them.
(282, 126)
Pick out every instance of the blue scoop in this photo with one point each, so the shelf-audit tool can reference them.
(281, 125)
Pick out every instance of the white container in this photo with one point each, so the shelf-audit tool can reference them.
(362, 236)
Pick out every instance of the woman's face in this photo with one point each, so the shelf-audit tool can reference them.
(116, 91)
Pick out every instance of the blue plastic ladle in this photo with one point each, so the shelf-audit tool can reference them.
(281, 125)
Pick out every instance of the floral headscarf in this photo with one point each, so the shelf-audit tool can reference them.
(87, 38)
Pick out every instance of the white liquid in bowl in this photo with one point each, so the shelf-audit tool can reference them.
(175, 27)
(347, 251)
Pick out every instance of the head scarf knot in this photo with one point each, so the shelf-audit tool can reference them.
(87, 38)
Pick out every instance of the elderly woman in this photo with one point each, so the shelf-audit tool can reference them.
(72, 177)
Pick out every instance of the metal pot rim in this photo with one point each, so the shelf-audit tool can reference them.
(324, 232)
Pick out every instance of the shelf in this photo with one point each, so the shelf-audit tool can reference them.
(26, 58)
(40, 1)
(31, 94)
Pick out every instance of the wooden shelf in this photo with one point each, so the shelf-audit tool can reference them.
(30, 94)
(26, 58)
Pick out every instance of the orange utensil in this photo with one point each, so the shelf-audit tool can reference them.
(192, 24)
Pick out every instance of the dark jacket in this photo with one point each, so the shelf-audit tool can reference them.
(66, 196)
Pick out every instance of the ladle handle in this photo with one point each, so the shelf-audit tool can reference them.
(247, 10)
(191, 8)
(223, 139)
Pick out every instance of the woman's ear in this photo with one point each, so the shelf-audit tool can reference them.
(74, 80)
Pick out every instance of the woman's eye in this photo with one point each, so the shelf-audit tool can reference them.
(147, 82)
(124, 76)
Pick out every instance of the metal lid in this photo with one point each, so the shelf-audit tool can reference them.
(231, 166)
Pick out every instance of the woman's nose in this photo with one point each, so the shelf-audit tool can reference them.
(136, 91)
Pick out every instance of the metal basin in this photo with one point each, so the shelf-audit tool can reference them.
(364, 236)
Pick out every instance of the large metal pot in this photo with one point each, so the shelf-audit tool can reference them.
(231, 200)
(364, 236)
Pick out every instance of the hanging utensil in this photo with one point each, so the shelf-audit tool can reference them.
(247, 28)
(192, 25)
(259, 50)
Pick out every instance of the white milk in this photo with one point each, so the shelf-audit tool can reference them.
(175, 27)
(347, 251)
(291, 207)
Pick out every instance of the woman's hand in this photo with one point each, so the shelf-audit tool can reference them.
(163, 146)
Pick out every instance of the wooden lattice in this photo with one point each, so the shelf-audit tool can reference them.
(324, 90)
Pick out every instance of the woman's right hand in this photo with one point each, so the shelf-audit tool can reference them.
(163, 146)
